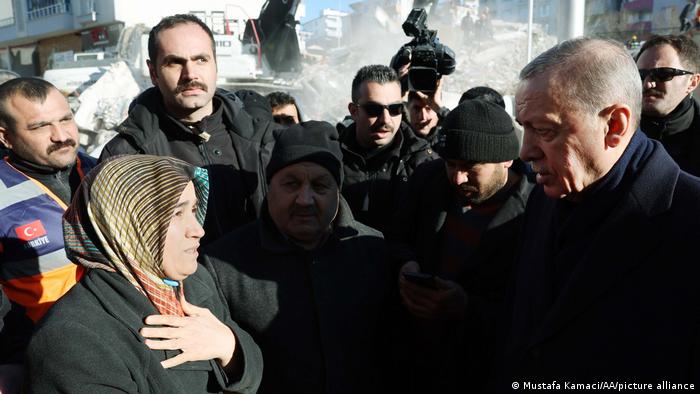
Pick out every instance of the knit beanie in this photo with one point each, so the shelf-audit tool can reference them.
(478, 131)
(312, 141)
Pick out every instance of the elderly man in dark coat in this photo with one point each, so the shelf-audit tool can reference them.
(606, 281)
(306, 280)
(460, 221)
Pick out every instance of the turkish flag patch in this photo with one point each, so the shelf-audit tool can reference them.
(30, 231)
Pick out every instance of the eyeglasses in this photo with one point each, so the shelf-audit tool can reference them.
(662, 74)
(284, 120)
(375, 109)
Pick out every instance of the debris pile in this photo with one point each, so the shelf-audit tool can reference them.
(324, 88)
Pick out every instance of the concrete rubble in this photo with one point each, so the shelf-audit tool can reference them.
(324, 88)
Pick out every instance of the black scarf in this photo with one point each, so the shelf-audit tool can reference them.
(677, 121)
(573, 224)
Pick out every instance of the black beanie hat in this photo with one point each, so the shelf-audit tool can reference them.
(312, 141)
(478, 131)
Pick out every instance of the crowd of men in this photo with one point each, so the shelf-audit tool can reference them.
(412, 248)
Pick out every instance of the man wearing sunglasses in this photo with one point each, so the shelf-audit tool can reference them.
(668, 66)
(379, 151)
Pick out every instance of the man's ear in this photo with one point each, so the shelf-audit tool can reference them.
(3, 138)
(694, 81)
(352, 108)
(152, 72)
(619, 122)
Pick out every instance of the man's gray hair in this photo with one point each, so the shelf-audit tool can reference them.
(590, 74)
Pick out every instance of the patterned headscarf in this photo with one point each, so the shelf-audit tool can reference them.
(120, 215)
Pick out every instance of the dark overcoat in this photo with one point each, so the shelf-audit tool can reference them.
(89, 342)
(628, 310)
(319, 316)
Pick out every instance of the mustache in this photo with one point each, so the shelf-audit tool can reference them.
(382, 127)
(190, 85)
(60, 145)
(652, 91)
(538, 170)
(303, 210)
(467, 188)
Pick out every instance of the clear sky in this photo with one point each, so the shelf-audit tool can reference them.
(314, 7)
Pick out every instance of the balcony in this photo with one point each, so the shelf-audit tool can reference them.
(640, 27)
(43, 9)
(7, 21)
(639, 5)
(600, 7)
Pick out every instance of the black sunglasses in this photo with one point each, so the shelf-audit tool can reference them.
(284, 120)
(662, 74)
(375, 109)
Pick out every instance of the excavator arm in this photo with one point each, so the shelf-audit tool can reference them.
(275, 34)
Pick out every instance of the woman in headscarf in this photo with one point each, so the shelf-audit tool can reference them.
(145, 317)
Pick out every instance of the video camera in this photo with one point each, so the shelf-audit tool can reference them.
(429, 59)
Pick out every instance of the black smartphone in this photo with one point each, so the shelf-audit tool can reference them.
(420, 278)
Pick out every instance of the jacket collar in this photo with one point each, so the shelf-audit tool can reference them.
(235, 117)
(32, 169)
(404, 144)
(677, 121)
(147, 113)
(514, 204)
(126, 304)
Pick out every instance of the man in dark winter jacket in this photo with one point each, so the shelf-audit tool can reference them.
(459, 221)
(185, 116)
(670, 70)
(379, 151)
(37, 180)
(308, 282)
(605, 284)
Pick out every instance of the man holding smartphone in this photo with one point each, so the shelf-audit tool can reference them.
(455, 238)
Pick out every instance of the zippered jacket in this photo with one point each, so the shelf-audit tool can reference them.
(236, 159)
(34, 269)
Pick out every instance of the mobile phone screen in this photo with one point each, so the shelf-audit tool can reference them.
(420, 278)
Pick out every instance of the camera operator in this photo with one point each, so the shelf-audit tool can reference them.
(420, 64)
(425, 113)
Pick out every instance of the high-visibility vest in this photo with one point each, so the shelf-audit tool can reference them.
(34, 269)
